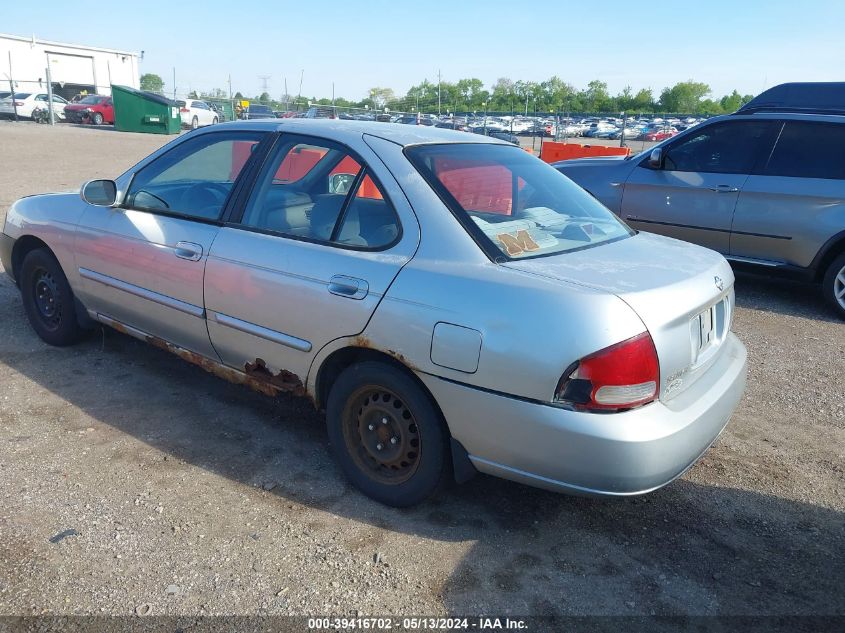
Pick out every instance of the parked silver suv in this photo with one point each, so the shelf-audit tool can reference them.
(764, 186)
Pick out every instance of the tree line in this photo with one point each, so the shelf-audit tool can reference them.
(553, 96)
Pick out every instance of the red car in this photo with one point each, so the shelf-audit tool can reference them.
(96, 109)
(661, 135)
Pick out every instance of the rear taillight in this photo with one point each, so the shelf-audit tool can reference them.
(184, 110)
(621, 376)
(19, 103)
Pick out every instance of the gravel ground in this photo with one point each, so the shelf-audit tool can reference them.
(131, 482)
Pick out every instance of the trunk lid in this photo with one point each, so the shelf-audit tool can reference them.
(683, 294)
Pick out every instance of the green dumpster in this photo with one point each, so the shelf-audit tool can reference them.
(138, 111)
(223, 107)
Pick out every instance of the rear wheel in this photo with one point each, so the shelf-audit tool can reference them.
(48, 299)
(195, 123)
(833, 284)
(386, 434)
(214, 121)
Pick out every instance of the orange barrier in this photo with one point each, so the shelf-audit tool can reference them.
(552, 152)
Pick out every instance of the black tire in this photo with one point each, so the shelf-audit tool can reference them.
(195, 123)
(370, 405)
(833, 284)
(48, 299)
(97, 118)
(214, 121)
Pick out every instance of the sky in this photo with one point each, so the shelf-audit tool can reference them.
(729, 44)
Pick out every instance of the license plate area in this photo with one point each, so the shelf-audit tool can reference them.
(708, 330)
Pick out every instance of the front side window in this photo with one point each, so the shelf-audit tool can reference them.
(318, 191)
(515, 205)
(809, 150)
(730, 147)
(194, 178)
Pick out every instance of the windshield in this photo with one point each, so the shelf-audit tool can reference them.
(515, 205)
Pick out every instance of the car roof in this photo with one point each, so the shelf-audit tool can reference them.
(800, 97)
(782, 116)
(342, 129)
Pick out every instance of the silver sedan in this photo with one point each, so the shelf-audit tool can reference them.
(453, 303)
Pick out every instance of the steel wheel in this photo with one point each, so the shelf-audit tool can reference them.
(48, 300)
(386, 433)
(381, 435)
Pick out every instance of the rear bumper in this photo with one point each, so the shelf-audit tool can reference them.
(6, 245)
(618, 454)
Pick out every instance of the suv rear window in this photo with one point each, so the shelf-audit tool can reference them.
(809, 150)
(261, 109)
(515, 205)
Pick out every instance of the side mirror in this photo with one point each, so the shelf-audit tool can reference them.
(100, 193)
(656, 158)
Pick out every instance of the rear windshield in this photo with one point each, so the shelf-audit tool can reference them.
(22, 95)
(259, 108)
(91, 99)
(515, 205)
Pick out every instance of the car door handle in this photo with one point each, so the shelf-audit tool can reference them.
(188, 250)
(349, 287)
(724, 189)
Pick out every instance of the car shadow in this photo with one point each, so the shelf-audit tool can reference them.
(688, 548)
(783, 296)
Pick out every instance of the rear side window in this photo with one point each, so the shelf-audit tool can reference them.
(729, 147)
(317, 191)
(809, 150)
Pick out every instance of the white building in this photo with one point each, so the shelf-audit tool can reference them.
(73, 67)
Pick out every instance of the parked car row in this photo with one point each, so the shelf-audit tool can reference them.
(99, 109)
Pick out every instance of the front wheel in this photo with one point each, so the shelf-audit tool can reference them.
(48, 299)
(386, 434)
(98, 118)
(833, 284)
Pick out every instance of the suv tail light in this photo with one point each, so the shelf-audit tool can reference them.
(618, 377)
(19, 103)
(184, 110)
